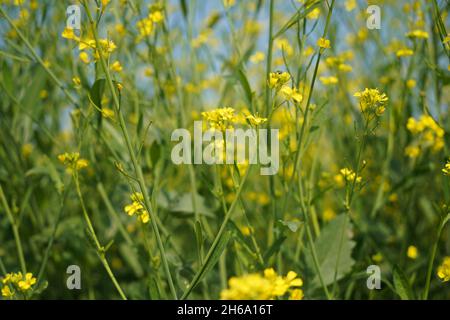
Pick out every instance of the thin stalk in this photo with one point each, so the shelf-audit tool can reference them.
(218, 236)
(100, 249)
(432, 257)
(15, 229)
(137, 168)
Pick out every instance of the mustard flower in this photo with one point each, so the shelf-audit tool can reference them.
(324, 43)
(267, 286)
(73, 161)
(412, 252)
(278, 79)
(291, 94)
(446, 169)
(372, 100)
(220, 118)
(255, 120)
(443, 271)
(136, 208)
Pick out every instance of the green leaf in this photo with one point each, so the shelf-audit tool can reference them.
(97, 91)
(328, 245)
(401, 285)
(246, 86)
(275, 247)
(211, 261)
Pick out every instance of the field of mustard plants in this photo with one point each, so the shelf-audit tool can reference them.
(119, 121)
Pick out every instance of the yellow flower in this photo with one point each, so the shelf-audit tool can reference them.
(105, 2)
(220, 118)
(372, 100)
(246, 231)
(350, 5)
(84, 57)
(76, 81)
(328, 214)
(291, 94)
(377, 258)
(411, 83)
(324, 43)
(156, 16)
(412, 252)
(228, 3)
(428, 133)
(446, 169)
(328, 80)
(296, 294)
(27, 282)
(108, 113)
(137, 208)
(6, 292)
(313, 14)
(349, 175)
(257, 57)
(73, 161)
(404, 52)
(420, 34)
(255, 120)
(412, 151)
(68, 33)
(263, 287)
(277, 79)
(443, 271)
(116, 66)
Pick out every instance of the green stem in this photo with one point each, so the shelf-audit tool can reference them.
(218, 237)
(15, 231)
(137, 168)
(100, 249)
(432, 257)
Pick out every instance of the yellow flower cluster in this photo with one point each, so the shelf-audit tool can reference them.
(446, 169)
(146, 25)
(429, 135)
(17, 281)
(443, 271)
(339, 62)
(420, 34)
(330, 80)
(291, 94)
(105, 47)
(220, 118)
(268, 286)
(278, 79)
(323, 43)
(137, 208)
(372, 101)
(404, 52)
(349, 175)
(73, 161)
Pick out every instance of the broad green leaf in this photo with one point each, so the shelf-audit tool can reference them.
(328, 245)
(401, 284)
